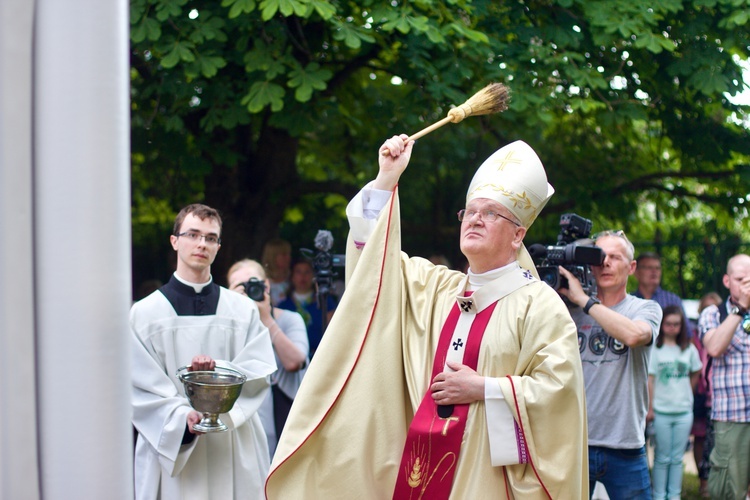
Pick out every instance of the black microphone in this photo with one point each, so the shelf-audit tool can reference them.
(537, 251)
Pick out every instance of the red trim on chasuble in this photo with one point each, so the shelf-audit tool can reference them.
(433, 444)
(525, 444)
(361, 346)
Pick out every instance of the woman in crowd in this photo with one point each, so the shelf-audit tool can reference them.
(672, 374)
(290, 345)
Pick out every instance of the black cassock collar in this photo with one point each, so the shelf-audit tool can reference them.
(187, 302)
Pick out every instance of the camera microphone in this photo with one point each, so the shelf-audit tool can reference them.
(537, 251)
(324, 240)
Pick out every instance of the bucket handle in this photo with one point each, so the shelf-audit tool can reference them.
(180, 371)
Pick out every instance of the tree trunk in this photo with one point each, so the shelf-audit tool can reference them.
(252, 198)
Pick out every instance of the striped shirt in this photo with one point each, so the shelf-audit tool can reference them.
(730, 380)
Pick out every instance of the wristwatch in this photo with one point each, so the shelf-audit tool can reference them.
(591, 303)
(735, 309)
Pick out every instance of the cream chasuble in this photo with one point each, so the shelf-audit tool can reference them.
(346, 431)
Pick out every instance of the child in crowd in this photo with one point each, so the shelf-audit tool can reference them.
(673, 373)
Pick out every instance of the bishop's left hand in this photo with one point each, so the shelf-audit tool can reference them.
(460, 386)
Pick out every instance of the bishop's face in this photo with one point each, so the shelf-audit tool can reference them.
(488, 244)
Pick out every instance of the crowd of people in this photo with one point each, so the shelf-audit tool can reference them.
(424, 381)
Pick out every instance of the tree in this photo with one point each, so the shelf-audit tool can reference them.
(273, 110)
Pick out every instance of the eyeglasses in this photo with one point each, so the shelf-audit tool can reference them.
(485, 215)
(195, 237)
(610, 232)
(676, 324)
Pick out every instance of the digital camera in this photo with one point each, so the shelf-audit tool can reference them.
(255, 289)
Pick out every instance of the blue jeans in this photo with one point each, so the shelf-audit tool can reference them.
(672, 434)
(624, 473)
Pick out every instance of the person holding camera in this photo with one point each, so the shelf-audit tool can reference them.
(725, 333)
(615, 335)
(430, 383)
(192, 322)
(289, 339)
(304, 300)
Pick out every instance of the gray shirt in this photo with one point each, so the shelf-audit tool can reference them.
(616, 376)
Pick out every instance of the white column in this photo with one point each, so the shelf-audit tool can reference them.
(19, 476)
(82, 247)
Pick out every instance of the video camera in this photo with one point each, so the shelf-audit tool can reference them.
(573, 250)
(323, 261)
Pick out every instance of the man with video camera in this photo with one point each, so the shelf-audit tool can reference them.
(615, 334)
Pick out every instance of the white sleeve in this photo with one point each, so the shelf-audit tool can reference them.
(363, 211)
(501, 426)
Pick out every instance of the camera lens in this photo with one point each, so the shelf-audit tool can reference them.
(255, 289)
(550, 279)
(550, 275)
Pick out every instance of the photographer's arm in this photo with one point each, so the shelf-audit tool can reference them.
(717, 340)
(631, 333)
(290, 355)
(292, 358)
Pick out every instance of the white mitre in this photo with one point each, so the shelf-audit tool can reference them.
(514, 177)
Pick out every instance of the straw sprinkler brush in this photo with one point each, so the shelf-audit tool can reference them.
(491, 99)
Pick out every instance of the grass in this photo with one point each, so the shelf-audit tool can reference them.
(691, 487)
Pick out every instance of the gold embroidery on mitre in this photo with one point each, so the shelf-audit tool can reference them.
(521, 201)
(507, 160)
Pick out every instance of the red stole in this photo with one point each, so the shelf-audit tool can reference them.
(433, 444)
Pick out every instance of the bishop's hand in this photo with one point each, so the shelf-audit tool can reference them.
(393, 164)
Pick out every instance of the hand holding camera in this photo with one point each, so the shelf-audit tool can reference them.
(574, 252)
(256, 290)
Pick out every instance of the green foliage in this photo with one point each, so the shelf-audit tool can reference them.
(273, 111)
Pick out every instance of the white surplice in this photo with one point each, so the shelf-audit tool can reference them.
(219, 465)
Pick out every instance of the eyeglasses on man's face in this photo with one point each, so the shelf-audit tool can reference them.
(485, 215)
(195, 237)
